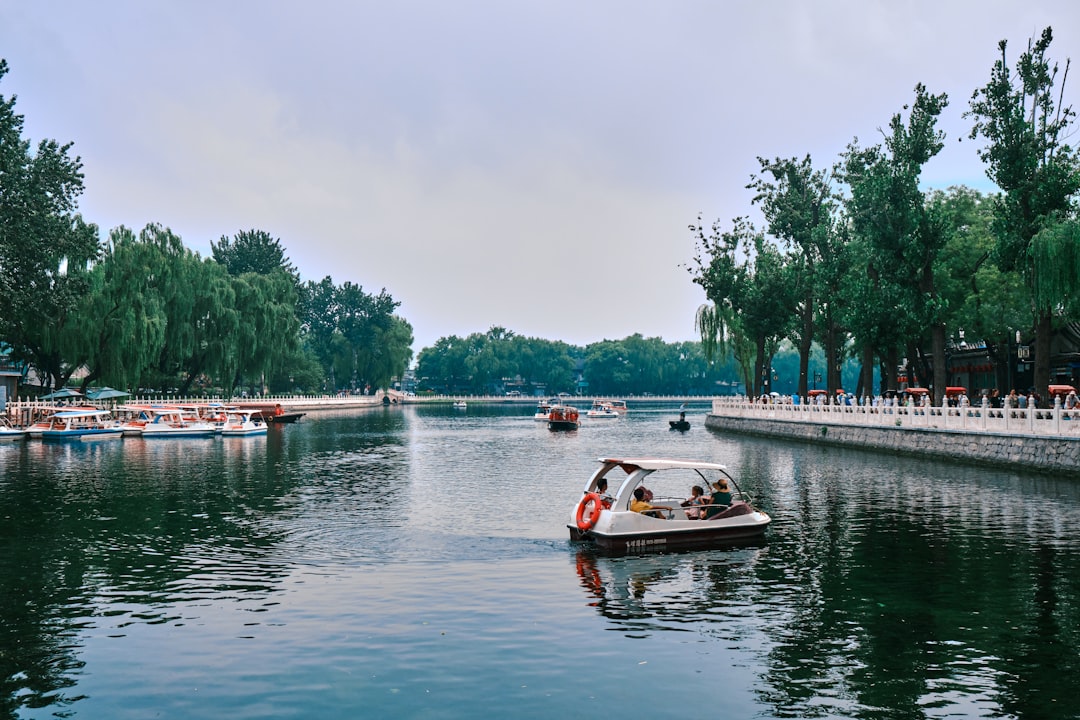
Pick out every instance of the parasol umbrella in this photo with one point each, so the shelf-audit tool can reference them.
(105, 393)
(61, 394)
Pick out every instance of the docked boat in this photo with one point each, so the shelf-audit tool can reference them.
(672, 522)
(563, 417)
(9, 431)
(602, 410)
(80, 424)
(170, 422)
(243, 423)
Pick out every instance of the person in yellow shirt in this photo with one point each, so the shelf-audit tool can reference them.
(639, 505)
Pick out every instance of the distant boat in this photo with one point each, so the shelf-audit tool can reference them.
(563, 417)
(460, 405)
(682, 424)
(543, 409)
(601, 410)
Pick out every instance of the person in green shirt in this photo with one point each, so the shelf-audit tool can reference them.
(721, 499)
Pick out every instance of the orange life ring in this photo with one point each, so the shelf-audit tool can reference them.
(586, 523)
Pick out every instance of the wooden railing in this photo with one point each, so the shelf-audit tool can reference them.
(1054, 421)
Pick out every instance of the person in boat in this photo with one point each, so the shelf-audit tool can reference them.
(696, 499)
(720, 500)
(640, 505)
(601, 490)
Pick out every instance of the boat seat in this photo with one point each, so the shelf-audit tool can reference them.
(734, 510)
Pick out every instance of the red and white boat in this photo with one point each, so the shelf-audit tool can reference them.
(563, 417)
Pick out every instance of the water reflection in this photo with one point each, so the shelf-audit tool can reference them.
(690, 589)
(885, 587)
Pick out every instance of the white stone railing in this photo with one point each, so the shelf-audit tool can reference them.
(971, 419)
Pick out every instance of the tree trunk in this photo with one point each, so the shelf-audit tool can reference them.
(867, 380)
(890, 369)
(759, 364)
(805, 345)
(1043, 332)
(941, 379)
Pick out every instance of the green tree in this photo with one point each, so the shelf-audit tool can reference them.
(1019, 114)
(120, 326)
(45, 246)
(749, 283)
(252, 251)
(266, 332)
(798, 205)
(900, 234)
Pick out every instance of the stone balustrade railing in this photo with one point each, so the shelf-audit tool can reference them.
(1055, 421)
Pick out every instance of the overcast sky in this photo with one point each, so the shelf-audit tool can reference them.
(530, 165)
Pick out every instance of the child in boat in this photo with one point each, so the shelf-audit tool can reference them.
(697, 498)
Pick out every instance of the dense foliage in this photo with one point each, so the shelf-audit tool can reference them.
(881, 269)
(500, 361)
(145, 312)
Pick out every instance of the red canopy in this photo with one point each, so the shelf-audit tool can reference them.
(1061, 389)
(813, 393)
(917, 391)
(955, 390)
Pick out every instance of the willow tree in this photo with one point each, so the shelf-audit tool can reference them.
(748, 281)
(266, 329)
(120, 326)
(1020, 114)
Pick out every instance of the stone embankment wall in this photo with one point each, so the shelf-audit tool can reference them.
(1043, 453)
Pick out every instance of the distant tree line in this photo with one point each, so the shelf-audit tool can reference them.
(141, 311)
(499, 361)
(862, 261)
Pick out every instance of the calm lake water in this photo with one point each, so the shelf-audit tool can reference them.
(414, 563)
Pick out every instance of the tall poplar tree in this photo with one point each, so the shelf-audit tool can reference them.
(1021, 115)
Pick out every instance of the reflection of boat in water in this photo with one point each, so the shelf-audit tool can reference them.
(680, 586)
(613, 526)
(563, 417)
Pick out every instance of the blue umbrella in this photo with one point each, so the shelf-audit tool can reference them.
(105, 393)
(61, 394)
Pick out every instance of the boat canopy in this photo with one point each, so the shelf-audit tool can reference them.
(629, 464)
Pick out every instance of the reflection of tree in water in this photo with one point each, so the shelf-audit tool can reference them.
(123, 533)
(909, 596)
